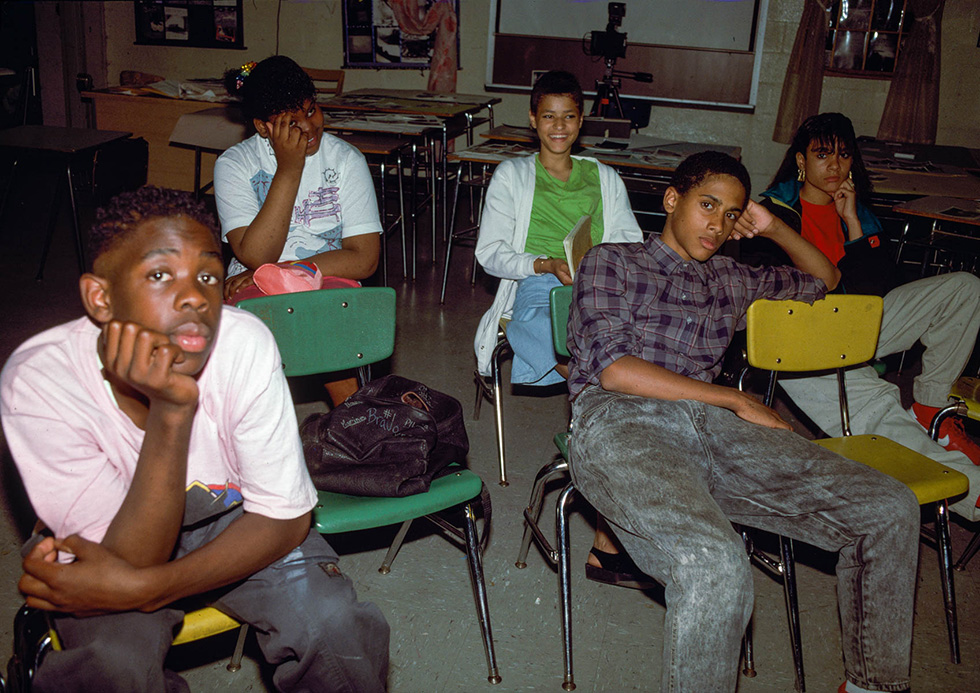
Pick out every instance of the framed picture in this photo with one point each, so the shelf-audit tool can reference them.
(374, 39)
(197, 23)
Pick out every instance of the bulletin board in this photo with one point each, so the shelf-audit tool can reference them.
(372, 37)
(700, 52)
(196, 23)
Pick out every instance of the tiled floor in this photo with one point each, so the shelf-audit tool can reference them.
(427, 597)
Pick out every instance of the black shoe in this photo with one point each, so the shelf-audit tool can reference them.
(618, 569)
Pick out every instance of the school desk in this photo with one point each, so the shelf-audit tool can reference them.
(64, 147)
(954, 237)
(457, 114)
(152, 117)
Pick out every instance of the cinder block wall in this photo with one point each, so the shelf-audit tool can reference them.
(311, 33)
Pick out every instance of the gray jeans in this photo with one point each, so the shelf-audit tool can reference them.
(671, 477)
(306, 616)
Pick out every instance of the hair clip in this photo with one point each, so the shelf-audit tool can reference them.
(245, 72)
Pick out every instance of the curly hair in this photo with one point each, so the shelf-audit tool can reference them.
(126, 211)
(694, 169)
(835, 132)
(275, 85)
(560, 83)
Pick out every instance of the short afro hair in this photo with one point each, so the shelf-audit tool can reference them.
(275, 85)
(126, 211)
(560, 83)
(696, 168)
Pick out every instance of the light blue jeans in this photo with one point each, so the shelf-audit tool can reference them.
(529, 332)
(671, 477)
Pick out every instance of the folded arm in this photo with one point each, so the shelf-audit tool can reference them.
(99, 581)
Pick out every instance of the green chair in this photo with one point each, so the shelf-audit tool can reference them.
(340, 329)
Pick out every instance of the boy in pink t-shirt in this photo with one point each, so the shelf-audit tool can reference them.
(157, 441)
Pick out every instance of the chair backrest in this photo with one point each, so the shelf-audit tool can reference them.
(331, 329)
(792, 336)
(327, 82)
(561, 303)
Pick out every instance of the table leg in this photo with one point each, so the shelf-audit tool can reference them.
(415, 205)
(197, 172)
(79, 243)
(6, 192)
(52, 221)
(401, 212)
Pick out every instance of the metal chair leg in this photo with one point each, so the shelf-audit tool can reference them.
(449, 240)
(474, 556)
(565, 580)
(236, 658)
(970, 552)
(499, 351)
(384, 223)
(533, 511)
(393, 549)
(748, 661)
(792, 608)
(945, 554)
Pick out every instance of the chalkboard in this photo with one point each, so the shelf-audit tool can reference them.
(197, 23)
(700, 52)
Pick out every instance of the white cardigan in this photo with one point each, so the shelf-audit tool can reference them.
(503, 234)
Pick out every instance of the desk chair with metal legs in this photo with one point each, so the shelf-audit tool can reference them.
(835, 333)
(964, 400)
(342, 329)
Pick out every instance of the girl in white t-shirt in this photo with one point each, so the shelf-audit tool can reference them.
(292, 192)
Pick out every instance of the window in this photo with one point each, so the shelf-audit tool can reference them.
(865, 37)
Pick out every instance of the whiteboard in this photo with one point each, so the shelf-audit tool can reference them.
(700, 52)
(721, 24)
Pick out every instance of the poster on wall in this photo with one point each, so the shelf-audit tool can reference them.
(396, 33)
(197, 23)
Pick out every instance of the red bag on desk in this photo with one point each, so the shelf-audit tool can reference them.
(390, 438)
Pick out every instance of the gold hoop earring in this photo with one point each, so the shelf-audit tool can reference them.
(801, 176)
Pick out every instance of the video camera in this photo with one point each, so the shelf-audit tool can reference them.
(610, 44)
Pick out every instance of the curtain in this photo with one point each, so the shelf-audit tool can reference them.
(804, 74)
(440, 18)
(912, 109)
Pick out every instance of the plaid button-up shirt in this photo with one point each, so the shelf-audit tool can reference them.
(643, 300)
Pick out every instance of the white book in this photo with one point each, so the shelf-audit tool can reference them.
(578, 242)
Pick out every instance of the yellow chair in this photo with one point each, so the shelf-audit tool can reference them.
(34, 636)
(834, 333)
(964, 400)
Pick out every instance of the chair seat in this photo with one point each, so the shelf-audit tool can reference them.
(338, 512)
(204, 623)
(967, 390)
(929, 480)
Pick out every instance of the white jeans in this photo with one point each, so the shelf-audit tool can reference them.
(943, 312)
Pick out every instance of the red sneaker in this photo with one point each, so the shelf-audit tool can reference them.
(952, 435)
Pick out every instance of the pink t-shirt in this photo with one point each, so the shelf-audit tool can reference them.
(77, 451)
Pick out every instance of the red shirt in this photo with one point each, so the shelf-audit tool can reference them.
(822, 227)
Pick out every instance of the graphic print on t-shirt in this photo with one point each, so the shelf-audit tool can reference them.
(204, 501)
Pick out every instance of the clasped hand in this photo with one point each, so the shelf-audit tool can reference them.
(144, 360)
(96, 582)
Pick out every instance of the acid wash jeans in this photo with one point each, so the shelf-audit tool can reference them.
(304, 612)
(671, 477)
